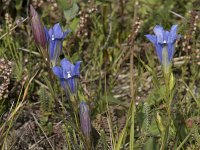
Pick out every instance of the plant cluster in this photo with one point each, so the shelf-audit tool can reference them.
(93, 80)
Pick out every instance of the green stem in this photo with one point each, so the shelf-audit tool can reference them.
(132, 102)
(168, 100)
(185, 140)
(132, 89)
(165, 138)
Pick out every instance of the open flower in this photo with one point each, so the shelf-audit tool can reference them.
(164, 43)
(37, 28)
(67, 74)
(55, 37)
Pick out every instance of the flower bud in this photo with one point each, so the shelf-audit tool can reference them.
(37, 28)
(85, 120)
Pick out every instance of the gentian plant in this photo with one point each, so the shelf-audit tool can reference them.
(164, 42)
(55, 37)
(68, 74)
(50, 42)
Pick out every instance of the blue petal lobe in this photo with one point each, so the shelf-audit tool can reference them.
(67, 68)
(57, 31)
(76, 68)
(52, 48)
(58, 71)
(173, 36)
(63, 83)
(70, 82)
(166, 35)
(159, 48)
(151, 38)
(170, 48)
(158, 30)
(51, 33)
(66, 64)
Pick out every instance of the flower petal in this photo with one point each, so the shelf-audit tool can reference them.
(67, 68)
(76, 68)
(158, 30)
(165, 38)
(151, 38)
(170, 48)
(172, 34)
(66, 64)
(52, 48)
(58, 71)
(51, 34)
(58, 33)
(159, 48)
(71, 84)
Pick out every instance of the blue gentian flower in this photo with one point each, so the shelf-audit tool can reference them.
(164, 43)
(68, 74)
(55, 37)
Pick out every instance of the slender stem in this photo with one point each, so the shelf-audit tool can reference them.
(185, 140)
(132, 90)
(168, 99)
(132, 102)
(14, 27)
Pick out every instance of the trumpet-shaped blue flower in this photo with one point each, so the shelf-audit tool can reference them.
(67, 74)
(164, 43)
(55, 37)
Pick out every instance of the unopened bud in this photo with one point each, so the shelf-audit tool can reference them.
(85, 120)
(37, 28)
